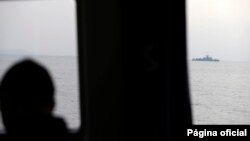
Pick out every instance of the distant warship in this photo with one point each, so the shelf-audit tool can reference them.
(206, 58)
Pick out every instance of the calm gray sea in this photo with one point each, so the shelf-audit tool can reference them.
(220, 92)
(65, 75)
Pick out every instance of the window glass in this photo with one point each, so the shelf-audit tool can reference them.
(46, 32)
(218, 34)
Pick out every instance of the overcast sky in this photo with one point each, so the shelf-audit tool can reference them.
(220, 28)
(46, 27)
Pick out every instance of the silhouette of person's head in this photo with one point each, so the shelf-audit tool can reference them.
(25, 91)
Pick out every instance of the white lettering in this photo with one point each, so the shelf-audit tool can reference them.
(201, 134)
(189, 131)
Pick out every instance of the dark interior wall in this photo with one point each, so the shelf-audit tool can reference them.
(143, 57)
(154, 59)
(134, 69)
(99, 46)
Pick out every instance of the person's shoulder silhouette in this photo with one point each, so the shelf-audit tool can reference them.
(27, 101)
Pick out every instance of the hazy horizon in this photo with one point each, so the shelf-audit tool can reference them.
(220, 28)
(28, 53)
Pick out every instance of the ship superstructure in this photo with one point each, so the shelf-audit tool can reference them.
(206, 58)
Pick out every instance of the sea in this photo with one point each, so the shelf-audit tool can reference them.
(220, 92)
(64, 73)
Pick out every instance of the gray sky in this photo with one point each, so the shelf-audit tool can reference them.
(46, 27)
(220, 28)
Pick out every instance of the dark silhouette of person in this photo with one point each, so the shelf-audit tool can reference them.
(27, 101)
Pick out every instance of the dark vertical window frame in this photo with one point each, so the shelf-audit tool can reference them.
(179, 113)
(82, 61)
(100, 66)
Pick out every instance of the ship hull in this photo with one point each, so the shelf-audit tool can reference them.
(206, 60)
